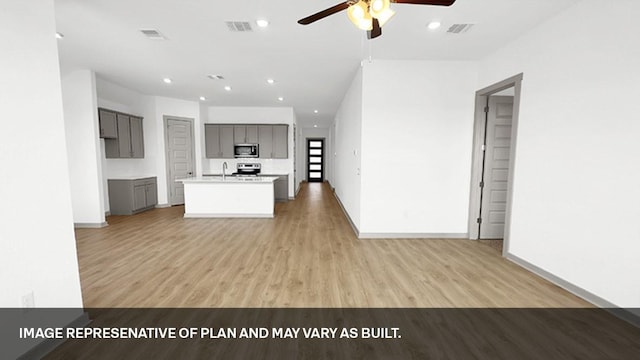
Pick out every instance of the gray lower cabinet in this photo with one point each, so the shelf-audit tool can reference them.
(281, 188)
(130, 196)
(129, 140)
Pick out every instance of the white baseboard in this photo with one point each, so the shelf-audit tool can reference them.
(90, 225)
(346, 214)
(457, 236)
(624, 314)
(161, 206)
(107, 213)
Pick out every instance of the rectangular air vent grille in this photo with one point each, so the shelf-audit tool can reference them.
(239, 26)
(215, 77)
(152, 34)
(459, 28)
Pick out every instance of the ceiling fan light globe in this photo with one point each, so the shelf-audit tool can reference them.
(378, 7)
(359, 15)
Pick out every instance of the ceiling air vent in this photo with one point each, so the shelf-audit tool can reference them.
(459, 28)
(239, 26)
(215, 77)
(153, 34)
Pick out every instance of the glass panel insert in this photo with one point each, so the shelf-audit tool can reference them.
(315, 151)
(315, 144)
(315, 166)
(315, 159)
(315, 175)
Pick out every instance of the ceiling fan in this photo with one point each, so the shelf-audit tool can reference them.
(369, 15)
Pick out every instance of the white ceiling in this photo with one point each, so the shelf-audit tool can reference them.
(313, 65)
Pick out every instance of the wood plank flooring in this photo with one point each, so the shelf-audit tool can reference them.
(307, 256)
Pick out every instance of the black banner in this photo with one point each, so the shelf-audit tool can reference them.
(322, 333)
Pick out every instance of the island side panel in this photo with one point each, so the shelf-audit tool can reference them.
(227, 199)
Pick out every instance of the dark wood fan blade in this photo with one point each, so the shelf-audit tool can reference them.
(426, 2)
(376, 31)
(323, 14)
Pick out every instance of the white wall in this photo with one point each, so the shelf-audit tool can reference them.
(576, 195)
(417, 127)
(347, 138)
(253, 115)
(37, 244)
(83, 147)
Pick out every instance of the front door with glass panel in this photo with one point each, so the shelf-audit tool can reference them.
(315, 160)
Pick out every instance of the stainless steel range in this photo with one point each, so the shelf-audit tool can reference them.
(247, 169)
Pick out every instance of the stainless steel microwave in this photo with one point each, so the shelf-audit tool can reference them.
(245, 150)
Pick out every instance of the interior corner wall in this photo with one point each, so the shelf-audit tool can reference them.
(83, 146)
(347, 137)
(575, 188)
(37, 243)
(417, 128)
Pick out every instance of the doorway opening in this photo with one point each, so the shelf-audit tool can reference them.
(180, 155)
(494, 146)
(315, 159)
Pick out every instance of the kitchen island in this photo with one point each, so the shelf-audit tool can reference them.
(228, 197)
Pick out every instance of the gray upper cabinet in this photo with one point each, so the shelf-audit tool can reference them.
(129, 142)
(251, 136)
(108, 125)
(212, 141)
(218, 141)
(265, 141)
(245, 134)
(226, 141)
(280, 141)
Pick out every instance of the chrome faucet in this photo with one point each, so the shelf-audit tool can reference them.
(224, 167)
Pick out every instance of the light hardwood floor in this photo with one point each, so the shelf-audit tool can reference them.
(307, 256)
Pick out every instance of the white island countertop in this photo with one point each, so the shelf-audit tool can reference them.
(228, 179)
(231, 197)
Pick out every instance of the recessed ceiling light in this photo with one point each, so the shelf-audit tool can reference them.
(280, 98)
(262, 23)
(315, 125)
(167, 80)
(228, 88)
(315, 111)
(434, 25)
(271, 81)
(202, 98)
(59, 35)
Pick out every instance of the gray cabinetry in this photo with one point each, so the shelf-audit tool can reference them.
(273, 140)
(108, 125)
(280, 141)
(129, 139)
(265, 141)
(245, 134)
(281, 188)
(218, 141)
(130, 196)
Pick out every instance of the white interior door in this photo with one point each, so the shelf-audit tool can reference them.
(181, 160)
(496, 167)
